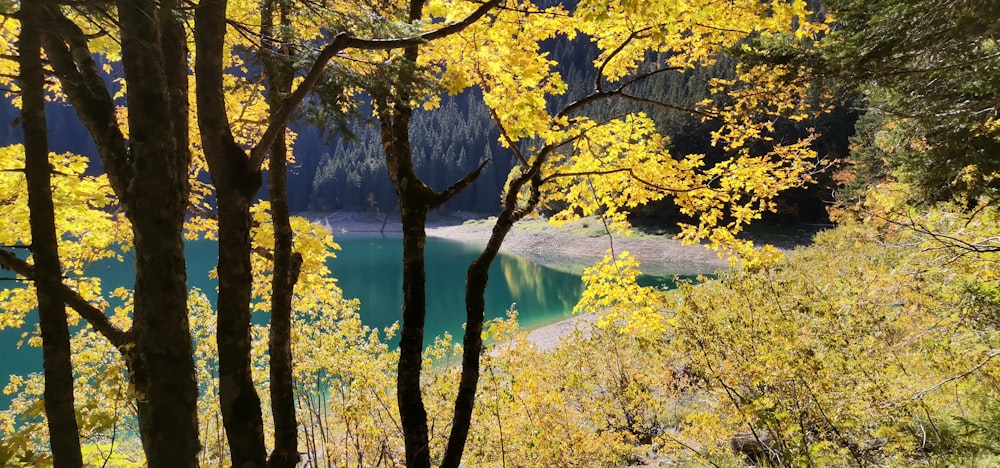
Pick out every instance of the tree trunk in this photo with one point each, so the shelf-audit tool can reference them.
(412, 414)
(415, 200)
(286, 264)
(149, 176)
(162, 359)
(64, 435)
(476, 281)
(241, 412)
(236, 182)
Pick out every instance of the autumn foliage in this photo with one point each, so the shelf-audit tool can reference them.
(874, 346)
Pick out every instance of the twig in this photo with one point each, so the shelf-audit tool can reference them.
(989, 356)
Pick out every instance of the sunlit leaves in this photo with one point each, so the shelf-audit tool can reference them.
(614, 167)
(87, 220)
(608, 167)
(836, 349)
(503, 57)
(612, 291)
(105, 405)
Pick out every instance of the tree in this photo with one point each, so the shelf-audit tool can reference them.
(44, 246)
(925, 71)
(149, 171)
(287, 264)
(236, 176)
(503, 58)
(587, 165)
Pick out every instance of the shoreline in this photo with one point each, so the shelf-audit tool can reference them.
(571, 247)
(577, 246)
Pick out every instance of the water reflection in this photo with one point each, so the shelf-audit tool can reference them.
(538, 288)
(370, 268)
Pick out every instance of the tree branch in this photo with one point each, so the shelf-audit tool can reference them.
(598, 80)
(665, 105)
(506, 137)
(628, 170)
(989, 356)
(71, 58)
(457, 187)
(94, 316)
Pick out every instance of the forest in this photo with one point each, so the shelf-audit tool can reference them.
(139, 125)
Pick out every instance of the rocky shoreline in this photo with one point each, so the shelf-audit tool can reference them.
(574, 249)
(571, 247)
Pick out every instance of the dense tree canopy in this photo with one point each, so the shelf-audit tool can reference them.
(926, 71)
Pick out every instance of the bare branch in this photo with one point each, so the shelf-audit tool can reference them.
(94, 316)
(600, 70)
(506, 136)
(462, 183)
(664, 105)
(619, 170)
(989, 357)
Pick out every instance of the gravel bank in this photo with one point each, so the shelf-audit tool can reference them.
(574, 248)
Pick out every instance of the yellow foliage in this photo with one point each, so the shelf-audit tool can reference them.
(609, 167)
(850, 349)
(86, 217)
(612, 291)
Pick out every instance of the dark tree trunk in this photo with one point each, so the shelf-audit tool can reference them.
(413, 415)
(415, 200)
(241, 411)
(476, 281)
(236, 182)
(64, 435)
(162, 360)
(149, 176)
(286, 264)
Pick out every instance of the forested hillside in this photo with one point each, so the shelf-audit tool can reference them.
(344, 170)
(348, 172)
(448, 143)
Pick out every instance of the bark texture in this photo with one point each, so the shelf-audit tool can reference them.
(64, 435)
(149, 175)
(476, 281)
(286, 263)
(236, 182)
(416, 200)
(162, 363)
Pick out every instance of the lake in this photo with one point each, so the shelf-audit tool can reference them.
(369, 267)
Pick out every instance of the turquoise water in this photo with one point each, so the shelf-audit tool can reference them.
(369, 267)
